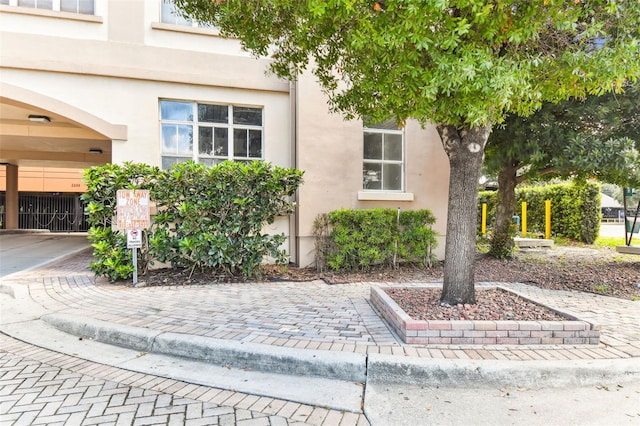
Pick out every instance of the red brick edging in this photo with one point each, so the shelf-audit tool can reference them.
(571, 332)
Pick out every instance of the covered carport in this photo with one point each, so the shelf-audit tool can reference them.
(39, 131)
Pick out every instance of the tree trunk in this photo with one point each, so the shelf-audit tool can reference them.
(465, 149)
(502, 239)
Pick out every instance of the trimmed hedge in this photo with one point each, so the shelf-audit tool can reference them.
(575, 209)
(207, 218)
(360, 239)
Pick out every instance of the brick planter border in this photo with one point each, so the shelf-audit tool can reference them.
(573, 331)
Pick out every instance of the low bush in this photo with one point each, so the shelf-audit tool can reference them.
(360, 239)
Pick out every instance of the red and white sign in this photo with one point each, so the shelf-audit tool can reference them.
(132, 209)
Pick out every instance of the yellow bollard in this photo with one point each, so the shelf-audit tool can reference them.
(484, 219)
(547, 219)
(524, 220)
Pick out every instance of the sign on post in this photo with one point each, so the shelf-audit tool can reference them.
(133, 215)
(134, 238)
(132, 211)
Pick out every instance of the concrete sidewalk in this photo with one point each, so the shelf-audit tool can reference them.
(315, 343)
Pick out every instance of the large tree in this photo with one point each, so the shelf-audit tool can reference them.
(598, 137)
(460, 65)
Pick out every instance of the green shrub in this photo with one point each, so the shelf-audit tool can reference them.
(360, 239)
(206, 218)
(417, 238)
(111, 256)
(213, 217)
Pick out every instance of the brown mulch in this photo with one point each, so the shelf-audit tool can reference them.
(491, 305)
(600, 271)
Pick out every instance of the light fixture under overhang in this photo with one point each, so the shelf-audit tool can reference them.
(95, 151)
(39, 119)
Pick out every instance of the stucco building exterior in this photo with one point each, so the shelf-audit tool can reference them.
(87, 82)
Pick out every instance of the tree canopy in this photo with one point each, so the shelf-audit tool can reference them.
(596, 137)
(459, 64)
(464, 62)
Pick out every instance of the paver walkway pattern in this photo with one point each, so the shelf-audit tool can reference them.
(309, 315)
(41, 386)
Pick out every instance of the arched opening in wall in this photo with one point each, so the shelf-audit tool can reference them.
(45, 145)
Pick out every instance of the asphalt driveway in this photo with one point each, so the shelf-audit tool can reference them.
(23, 251)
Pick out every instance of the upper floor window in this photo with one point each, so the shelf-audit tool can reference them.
(170, 14)
(86, 7)
(209, 133)
(383, 157)
(38, 4)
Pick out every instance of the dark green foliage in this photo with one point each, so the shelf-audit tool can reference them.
(417, 239)
(207, 218)
(360, 239)
(111, 256)
(597, 137)
(591, 200)
(502, 249)
(215, 218)
(575, 209)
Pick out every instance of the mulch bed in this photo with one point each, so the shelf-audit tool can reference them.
(492, 305)
(594, 271)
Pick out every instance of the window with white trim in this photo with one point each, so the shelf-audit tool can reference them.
(383, 157)
(169, 14)
(85, 7)
(209, 133)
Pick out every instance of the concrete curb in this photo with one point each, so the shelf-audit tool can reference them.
(389, 369)
(345, 366)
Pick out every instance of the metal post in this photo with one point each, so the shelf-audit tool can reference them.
(484, 218)
(135, 265)
(524, 220)
(547, 221)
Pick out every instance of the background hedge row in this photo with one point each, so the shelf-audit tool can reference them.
(575, 209)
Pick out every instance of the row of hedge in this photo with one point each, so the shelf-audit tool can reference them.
(575, 209)
(207, 217)
(360, 239)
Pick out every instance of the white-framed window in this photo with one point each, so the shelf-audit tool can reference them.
(169, 14)
(209, 133)
(383, 157)
(85, 7)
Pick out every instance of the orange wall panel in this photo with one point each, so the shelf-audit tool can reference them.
(39, 179)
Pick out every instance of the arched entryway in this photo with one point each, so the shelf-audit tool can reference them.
(50, 139)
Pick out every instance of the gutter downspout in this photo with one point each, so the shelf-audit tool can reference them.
(294, 228)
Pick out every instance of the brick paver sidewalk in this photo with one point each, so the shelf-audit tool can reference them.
(39, 386)
(311, 315)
